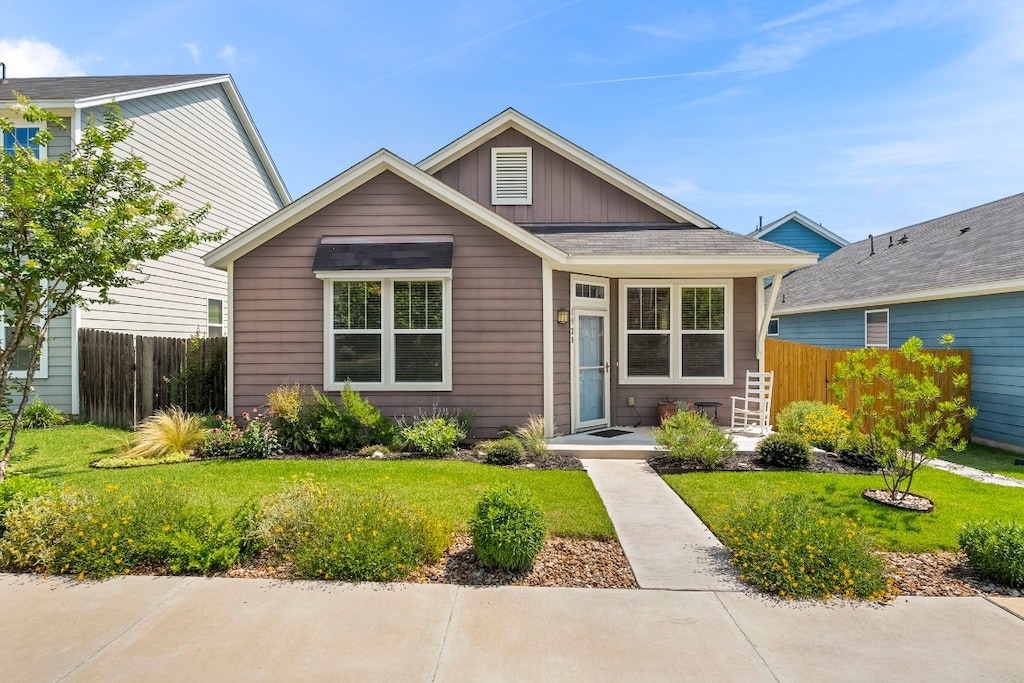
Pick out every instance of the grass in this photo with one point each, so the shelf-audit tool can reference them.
(989, 459)
(713, 495)
(571, 505)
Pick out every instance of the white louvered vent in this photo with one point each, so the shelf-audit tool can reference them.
(511, 175)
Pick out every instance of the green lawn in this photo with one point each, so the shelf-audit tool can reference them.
(714, 495)
(988, 459)
(450, 488)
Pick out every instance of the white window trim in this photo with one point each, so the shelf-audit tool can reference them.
(516, 201)
(44, 357)
(586, 301)
(19, 122)
(777, 325)
(387, 332)
(223, 317)
(876, 346)
(675, 333)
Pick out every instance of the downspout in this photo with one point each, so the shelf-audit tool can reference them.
(762, 330)
(548, 318)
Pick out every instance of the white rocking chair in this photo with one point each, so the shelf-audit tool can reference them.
(752, 409)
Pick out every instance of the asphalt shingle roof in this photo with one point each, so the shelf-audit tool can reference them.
(80, 87)
(652, 239)
(974, 246)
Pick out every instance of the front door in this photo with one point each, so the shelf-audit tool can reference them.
(591, 369)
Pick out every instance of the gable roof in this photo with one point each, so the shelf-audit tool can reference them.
(80, 92)
(976, 251)
(510, 118)
(804, 221)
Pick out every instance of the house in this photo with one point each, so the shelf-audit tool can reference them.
(961, 274)
(189, 125)
(800, 232)
(510, 273)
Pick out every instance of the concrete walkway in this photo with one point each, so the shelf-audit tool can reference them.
(973, 473)
(198, 629)
(665, 542)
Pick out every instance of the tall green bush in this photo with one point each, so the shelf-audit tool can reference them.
(508, 528)
(693, 437)
(996, 550)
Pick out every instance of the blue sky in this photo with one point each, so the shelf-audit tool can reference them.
(864, 115)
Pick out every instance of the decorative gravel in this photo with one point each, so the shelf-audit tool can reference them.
(940, 574)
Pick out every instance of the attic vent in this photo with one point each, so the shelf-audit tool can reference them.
(511, 175)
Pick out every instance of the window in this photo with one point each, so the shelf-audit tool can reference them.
(773, 327)
(589, 290)
(214, 318)
(876, 328)
(511, 175)
(389, 333)
(22, 137)
(676, 332)
(19, 366)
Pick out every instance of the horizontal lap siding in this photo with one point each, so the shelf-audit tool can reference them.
(647, 396)
(793, 234)
(496, 308)
(562, 356)
(55, 389)
(563, 192)
(991, 326)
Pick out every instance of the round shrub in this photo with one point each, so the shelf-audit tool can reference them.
(694, 437)
(785, 450)
(790, 419)
(823, 425)
(508, 529)
(857, 451)
(433, 435)
(507, 451)
(995, 550)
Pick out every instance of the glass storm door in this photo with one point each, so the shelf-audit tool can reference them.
(591, 370)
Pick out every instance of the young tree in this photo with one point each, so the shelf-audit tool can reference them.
(902, 418)
(71, 229)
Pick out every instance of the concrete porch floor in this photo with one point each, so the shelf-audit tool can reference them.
(637, 444)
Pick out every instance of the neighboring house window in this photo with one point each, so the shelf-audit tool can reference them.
(511, 175)
(22, 137)
(19, 366)
(876, 328)
(389, 333)
(214, 317)
(773, 327)
(676, 332)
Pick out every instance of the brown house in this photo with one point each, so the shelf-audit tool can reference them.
(509, 273)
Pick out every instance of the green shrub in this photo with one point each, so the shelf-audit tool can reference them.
(793, 549)
(358, 537)
(227, 440)
(995, 550)
(507, 451)
(122, 461)
(823, 425)
(39, 415)
(694, 437)
(532, 435)
(858, 451)
(286, 410)
(97, 535)
(508, 528)
(785, 450)
(434, 435)
(17, 489)
(6, 421)
(348, 425)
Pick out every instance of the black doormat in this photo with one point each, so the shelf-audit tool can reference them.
(609, 433)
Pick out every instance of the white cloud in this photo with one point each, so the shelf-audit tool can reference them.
(811, 12)
(193, 49)
(31, 58)
(228, 54)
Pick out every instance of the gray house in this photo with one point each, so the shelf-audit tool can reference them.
(961, 274)
(191, 125)
(510, 273)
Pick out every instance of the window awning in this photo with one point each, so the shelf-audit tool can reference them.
(383, 256)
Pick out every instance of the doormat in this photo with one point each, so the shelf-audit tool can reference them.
(609, 433)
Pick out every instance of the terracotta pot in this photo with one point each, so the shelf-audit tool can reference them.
(667, 410)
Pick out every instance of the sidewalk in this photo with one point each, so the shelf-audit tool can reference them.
(199, 629)
(665, 542)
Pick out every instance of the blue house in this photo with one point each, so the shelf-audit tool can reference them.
(800, 232)
(961, 274)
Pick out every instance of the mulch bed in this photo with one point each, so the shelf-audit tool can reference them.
(554, 460)
(823, 463)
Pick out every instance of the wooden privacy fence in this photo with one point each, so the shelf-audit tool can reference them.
(804, 373)
(125, 378)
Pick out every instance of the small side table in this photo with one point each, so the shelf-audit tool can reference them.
(702, 408)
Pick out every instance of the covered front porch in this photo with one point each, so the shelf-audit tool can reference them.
(631, 443)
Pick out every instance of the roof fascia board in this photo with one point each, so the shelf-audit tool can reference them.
(804, 221)
(938, 293)
(770, 262)
(511, 118)
(362, 172)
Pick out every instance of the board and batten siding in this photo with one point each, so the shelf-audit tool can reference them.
(563, 191)
(497, 366)
(793, 234)
(992, 326)
(193, 133)
(744, 328)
